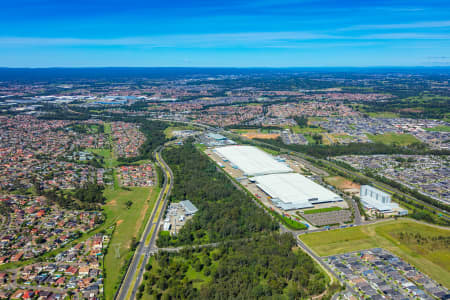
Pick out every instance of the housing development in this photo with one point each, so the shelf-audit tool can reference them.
(225, 184)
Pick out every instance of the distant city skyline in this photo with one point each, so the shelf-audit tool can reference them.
(265, 33)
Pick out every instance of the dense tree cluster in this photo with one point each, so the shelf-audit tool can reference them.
(264, 267)
(324, 151)
(427, 107)
(302, 121)
(224, 211)
(88, 197)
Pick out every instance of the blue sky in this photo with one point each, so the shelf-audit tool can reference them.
(227, 33)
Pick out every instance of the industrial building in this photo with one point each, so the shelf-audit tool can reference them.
(189, 208)
(212, 139)
(290, 191)
(373, 198)
(251, 160)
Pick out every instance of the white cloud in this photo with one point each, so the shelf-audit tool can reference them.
(176, 40)
(432, 24)
(405, 36)
(217, 40)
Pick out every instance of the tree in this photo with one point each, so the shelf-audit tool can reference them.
(128, 204)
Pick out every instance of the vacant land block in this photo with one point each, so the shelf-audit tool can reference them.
(391, 138)
(424, 246)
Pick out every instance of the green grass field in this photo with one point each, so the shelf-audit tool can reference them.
(309, 139)
(321, 210)
(241, 131)
(312, 119)
(384, 114)
(307, 130)
(391, 138)
(442, 128)
(108, 157)
(107, 128)
(129, 223)
(423, 249)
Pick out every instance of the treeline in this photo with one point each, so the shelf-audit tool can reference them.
(5, 209)
(55, 112)
(224, 211)
(302, 121)
(88, 197)
(435, 107)
(324, 151)
(160, 176)
(264, 267)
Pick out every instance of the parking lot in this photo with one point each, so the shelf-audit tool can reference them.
(328, 218)
(176, 217)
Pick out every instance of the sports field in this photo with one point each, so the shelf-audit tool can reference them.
(424, 246)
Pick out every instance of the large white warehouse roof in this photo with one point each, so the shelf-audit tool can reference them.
(294, 191)
(251, 160)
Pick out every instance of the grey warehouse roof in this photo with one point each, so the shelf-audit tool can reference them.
(188, 206)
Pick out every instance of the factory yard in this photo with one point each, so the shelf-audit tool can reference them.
(252, 186)
(378, 274)
(178, 213)
(424, 246)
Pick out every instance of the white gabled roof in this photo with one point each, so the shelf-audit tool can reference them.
(251, 160)
(296, 189)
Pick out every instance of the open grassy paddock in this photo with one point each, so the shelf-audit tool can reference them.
(241, 131)
(129, 223)
(442, 128)
(391, 138)
(384, 114)
(307, 130)
(424, 246)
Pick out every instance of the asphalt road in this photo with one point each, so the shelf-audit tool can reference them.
(143, 251)
(323, 264)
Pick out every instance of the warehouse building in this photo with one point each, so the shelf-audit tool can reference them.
(290, 191)
(374, 198)
(189, 208)
(251, 160)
